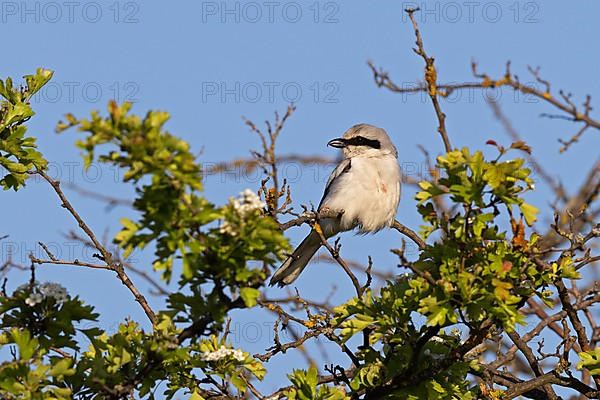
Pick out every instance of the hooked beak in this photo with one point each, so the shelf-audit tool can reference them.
(340, 143)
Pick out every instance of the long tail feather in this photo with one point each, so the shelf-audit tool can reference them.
(295, 264)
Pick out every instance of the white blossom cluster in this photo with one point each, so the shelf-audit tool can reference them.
(33, 299)
(247, 203)
(47, 289)
(244, 205)
(228, 229)
(221, 353)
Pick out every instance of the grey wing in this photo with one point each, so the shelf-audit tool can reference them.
(341, 168)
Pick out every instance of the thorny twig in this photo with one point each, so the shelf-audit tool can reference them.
(104, 255)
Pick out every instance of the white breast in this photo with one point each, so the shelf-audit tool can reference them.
(368, 193)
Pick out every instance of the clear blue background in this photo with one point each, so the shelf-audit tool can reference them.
(166, 55)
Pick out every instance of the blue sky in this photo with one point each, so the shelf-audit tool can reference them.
(210, 63)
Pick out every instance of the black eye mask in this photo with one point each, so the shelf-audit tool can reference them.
(363, 141)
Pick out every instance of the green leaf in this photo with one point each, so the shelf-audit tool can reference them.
(529, 212)
(590, 360)
(257, 369)
(37, 81)
(196, 396)
(352, 326)
(250, 296)
(239, 383)
(26, 344)
(62, 368)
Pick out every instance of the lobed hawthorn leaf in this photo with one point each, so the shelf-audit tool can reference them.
(590, 360)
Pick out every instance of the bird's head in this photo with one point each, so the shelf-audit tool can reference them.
(365, 140)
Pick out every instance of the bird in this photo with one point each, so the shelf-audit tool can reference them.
(364, 188)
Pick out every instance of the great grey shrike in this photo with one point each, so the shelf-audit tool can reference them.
(364, 187)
